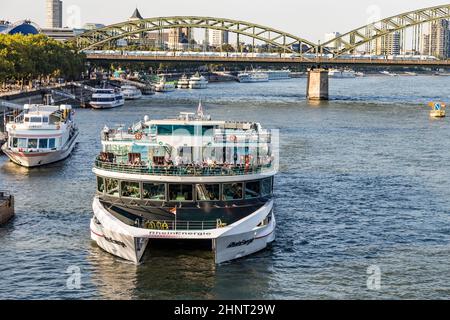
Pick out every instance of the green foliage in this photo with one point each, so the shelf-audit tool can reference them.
(30, 57)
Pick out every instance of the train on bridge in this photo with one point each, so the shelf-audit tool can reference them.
(311, 56)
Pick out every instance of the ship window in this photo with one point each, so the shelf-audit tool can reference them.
(207, 130)
(100, 184)
(252, 189)
(183, 130)
(112, 187)
(36, 119)
(180, 192)
(43, 143)
(15, 142)
(164, 130)
(266, 187)
(45, 119)
(208, 192)
(51, 143)
(130, 189)
(26, 119)
(154, 191)
(232, 191)
(32, 143)
(22, 143)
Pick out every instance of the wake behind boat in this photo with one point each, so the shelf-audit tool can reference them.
(188, 178)
(40, 135)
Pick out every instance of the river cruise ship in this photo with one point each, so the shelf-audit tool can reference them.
(189, 179)
(41, 135)
(251, 77)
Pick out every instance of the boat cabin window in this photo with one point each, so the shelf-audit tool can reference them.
(43, 143)
(32, 143)
(14, 142)
(26, 119)
(130, 189)
(22, 143)
(100, 184)
(208, 192)
(103, 99)
(232, 191)
(181, 192)
(36, 120)
(252, 190)
(154, 191)
(112, 187)
(52, 143)
(266, 187)
(45, 119)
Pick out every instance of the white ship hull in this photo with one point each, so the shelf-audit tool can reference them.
(106, 105)
(36, 159)
(132, 96)
(231, 242)
(164, 88)
(198, 85)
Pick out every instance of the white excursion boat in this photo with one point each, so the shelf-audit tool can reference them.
(251, 77)
(131, 92)
(189, 179)
(341, 74)
(198, 81)
(183, 83)
(41, 135)
(164, 86)
(106, 99)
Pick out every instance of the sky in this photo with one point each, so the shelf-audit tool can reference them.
(308, 19)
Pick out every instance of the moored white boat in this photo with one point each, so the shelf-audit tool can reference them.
(131, 92)
(41, 135)
(252, 77)
(188, 178)
(198, 81)
(106, 99)
(183, 83)
(341, 74)
(164, 86)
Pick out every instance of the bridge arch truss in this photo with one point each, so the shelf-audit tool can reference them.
(351, 40)
(283, 41)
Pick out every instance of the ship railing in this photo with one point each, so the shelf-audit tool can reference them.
(183, 225)
(238, 170)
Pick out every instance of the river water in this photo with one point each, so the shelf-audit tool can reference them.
(364, 183)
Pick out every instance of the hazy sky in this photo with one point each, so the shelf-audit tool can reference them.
(309, 19)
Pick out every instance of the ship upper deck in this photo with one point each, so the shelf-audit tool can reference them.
(39, 117)
(190, 145)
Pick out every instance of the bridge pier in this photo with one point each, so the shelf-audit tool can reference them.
(317, 86)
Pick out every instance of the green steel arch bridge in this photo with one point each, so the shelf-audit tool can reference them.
(290, 48)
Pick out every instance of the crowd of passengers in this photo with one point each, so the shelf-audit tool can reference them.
(167, 163)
